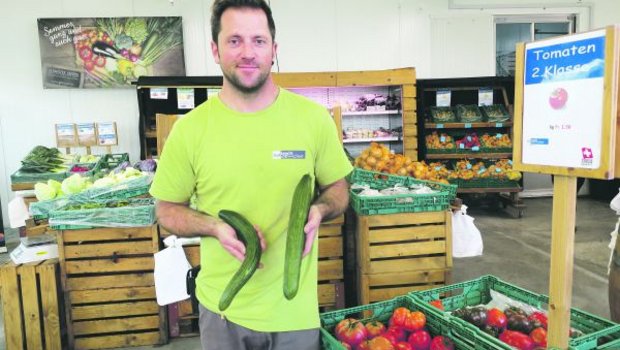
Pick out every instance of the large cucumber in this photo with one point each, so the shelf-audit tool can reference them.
(295, 237)
(248, 235)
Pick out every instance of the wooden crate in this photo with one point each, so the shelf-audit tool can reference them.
(331, 265)
(30, 305)
(107, 276)
(400, 253)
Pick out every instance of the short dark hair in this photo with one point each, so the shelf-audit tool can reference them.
(219, 6)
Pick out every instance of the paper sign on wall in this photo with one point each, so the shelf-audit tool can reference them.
(444, 98)
(65, 135)
(106, 134)
(185, 98)
(563, 101)
(86, 134)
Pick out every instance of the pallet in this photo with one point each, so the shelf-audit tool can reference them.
(399, 253)
(107, 276)
(30, 303)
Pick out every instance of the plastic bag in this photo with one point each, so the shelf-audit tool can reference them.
(466, 238)
(171, 266)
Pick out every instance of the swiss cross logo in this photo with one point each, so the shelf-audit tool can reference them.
(586, 156)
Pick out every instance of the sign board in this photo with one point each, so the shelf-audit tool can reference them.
(87, 135)
(66, 135)
(106, 134)
(566, 104)
(55, 76)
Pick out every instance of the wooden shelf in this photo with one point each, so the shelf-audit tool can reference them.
(375, 139)
(469, 155)
(489, 190)
(506, 124)
(391, 111)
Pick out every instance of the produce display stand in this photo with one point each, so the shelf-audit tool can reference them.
(555, 153)
(32, 306)
(109, 290)
(464, 91)
(332, 88)
(398, 253)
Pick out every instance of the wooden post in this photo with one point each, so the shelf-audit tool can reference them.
(562, 248)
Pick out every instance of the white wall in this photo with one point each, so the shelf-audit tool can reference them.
(441, 38)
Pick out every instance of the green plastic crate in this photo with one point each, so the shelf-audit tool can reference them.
(485, 183)
(381, 311)
(400, 203)
(20, 177)
(111, 161)
(138, 213)
(599, 332)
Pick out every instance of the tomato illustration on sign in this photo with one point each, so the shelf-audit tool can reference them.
(558, 98)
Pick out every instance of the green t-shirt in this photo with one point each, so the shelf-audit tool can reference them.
(251, 163)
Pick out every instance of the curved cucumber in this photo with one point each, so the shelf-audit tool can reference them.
(248, 235)
(295, 237)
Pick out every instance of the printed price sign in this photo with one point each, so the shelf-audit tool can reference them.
(86, 134)
(566, 124)
(159, 93)
(185, 98)
(444, 98)
(65, 135)
(106, 134)
(485, 97)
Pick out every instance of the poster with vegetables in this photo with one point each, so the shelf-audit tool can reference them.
(81, 53)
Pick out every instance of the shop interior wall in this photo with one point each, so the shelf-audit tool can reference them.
(441, 38)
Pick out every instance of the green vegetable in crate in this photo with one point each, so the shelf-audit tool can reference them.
(46, 191)
(295, 237)
(248, 235)
(74, 184)
(42, 160)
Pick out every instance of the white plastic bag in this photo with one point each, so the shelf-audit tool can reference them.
(466, 238)
(171, 267)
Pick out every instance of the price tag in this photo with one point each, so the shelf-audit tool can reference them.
(481, 171)
(86, 134)
(468, 166)
(485, 97)
(499, 125)
(498, 136)
(444, 98)
(66, 135)
(159, 93)
(437, 168)
(467, 125)
(106, 134)
(439, 126)
(462, 146)
(510, 161)
(185, 98)
(442, 139)
(475, 148)
(498, 170)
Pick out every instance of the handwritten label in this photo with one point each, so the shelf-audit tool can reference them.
(60, 34)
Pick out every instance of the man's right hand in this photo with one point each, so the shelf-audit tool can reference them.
(229, 240)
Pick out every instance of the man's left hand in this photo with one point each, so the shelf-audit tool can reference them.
(311, 228)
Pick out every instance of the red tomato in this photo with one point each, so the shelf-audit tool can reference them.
(391, 337)
(539, 335)
(399, 333)
(365, 345)
(346, 346)
(415, 321)
(380, 343)
(89, 65)
(402, 345)
(99, 61)
(496, 318)
(538, 318)
(85, 53)
(420, 340)
(438, 304)
(442, 343)
(374, 329)
(344, 323)
(517, 339)
(399, 317)
(351, 332)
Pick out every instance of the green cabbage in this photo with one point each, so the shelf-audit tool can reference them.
(136, 29)
(44, 192)
(74, 184)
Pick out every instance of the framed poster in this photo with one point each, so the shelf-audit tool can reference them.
(566, 91)
(81, 53)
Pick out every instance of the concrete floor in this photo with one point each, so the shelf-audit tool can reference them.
(518, 251)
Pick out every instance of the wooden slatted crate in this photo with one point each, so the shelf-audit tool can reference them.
(331, 265)
(32, 306)
(400, 253)
(107, 276)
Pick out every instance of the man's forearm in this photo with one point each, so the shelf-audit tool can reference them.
(333, 200)
(183, 221)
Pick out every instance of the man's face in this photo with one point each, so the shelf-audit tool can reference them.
(245, 49)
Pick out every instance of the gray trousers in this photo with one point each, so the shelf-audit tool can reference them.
(217, 333)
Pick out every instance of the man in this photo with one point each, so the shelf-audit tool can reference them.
(246, 150)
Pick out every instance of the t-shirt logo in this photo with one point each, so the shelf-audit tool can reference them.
(289, 154)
